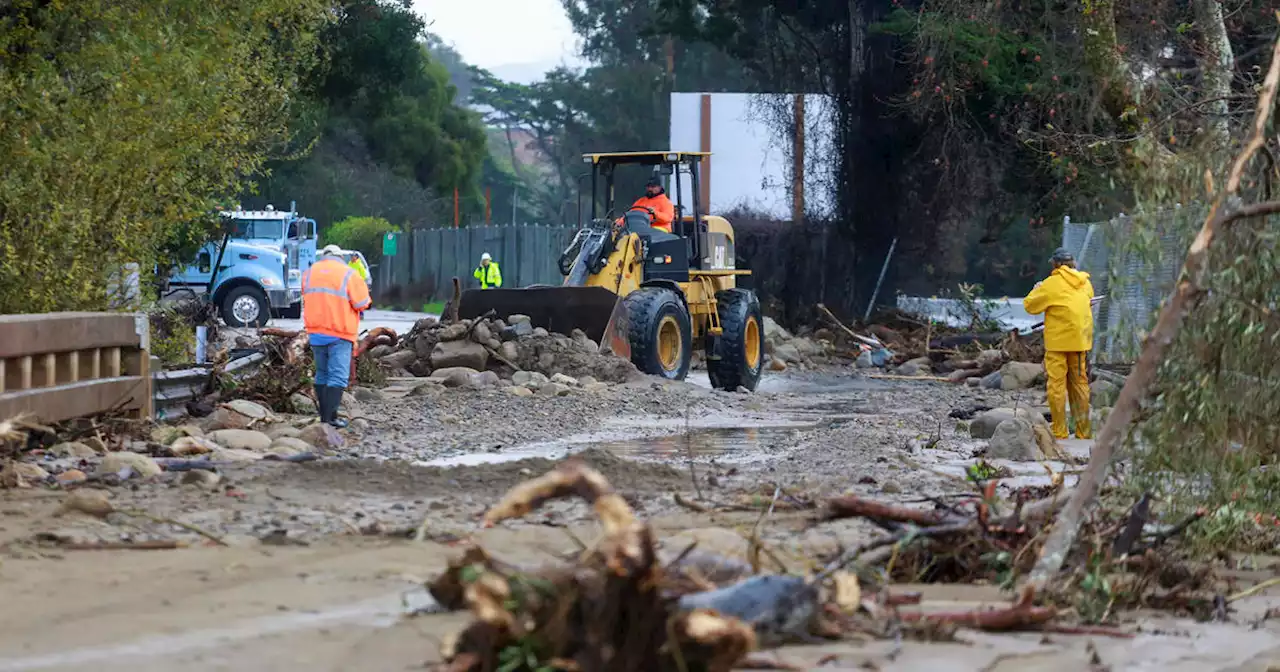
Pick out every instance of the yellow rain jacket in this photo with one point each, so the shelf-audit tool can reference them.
(1064, 297)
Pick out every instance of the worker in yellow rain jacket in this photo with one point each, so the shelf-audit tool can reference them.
(1064, 299)
(359, 267)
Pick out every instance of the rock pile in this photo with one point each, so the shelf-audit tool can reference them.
(482, 352)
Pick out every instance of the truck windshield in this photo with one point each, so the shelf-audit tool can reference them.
(257, 228)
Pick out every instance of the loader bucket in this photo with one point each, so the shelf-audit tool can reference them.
(595, 310)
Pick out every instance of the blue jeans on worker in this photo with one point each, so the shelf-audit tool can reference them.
(333, 360)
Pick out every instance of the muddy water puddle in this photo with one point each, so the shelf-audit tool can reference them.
(724, 443)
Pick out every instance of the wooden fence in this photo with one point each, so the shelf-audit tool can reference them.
(68, 365)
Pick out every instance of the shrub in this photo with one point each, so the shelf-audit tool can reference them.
(360, 233)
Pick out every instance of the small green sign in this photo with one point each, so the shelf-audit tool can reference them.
(389, 244)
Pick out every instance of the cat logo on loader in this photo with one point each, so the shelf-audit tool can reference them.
(645, 294)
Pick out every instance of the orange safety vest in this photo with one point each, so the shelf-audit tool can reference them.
(664, 211)
(333, 296)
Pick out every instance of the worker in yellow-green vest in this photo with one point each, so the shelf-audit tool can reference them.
(488, 273)
(359, 267)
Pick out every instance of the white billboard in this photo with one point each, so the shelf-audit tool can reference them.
(751, 163)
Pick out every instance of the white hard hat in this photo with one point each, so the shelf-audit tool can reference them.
(486, 257)
(331, 250)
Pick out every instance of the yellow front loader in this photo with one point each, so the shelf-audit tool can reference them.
(645, 294)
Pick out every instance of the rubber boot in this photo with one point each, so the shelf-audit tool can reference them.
(335, 401)
(322, 402)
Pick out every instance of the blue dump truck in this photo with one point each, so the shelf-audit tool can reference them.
(254, 272)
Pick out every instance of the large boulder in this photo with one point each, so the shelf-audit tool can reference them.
(322, 436)
(991, 381)
(454, 332)
(1015, 439)
(516, 331)
(984, 425)
(459, 353)
(788, 353)
(400, 359)
(1020, 375)
(775, 332)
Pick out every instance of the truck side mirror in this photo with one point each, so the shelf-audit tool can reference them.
(205, 262)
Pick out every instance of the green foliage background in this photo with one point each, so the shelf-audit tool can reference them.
(360, 233)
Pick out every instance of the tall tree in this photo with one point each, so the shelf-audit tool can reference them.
(125, 118)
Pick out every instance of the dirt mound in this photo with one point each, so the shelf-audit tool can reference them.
(578, 358)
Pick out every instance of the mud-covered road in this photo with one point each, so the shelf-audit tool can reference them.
(314, 562)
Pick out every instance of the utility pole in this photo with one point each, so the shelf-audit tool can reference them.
(488, 203)
(515, 198)
(456, 213)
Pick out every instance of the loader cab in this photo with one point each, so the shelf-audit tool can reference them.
(670, 255)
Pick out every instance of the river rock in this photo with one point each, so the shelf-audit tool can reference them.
(992, 381)
(28, 472)
(775, 332)
(250, 409)
(194, 445)
(509, 351)
(424, 344)
(71, 477)
(807, 347)
(990, 359)
(788, 353)
(1014, 439)
(530, 379)
(89, 501)
(368, 394)
(286, 446)
(459, 353)
(380, 351)
(400, 359)
(240, 439)
(513, 320)
(596, 387)
(279, 431)
(426, 323)
(984, 425)
(485, 379)
(141, 465)
(481, 333)
(517, 331)
(302, 404)
(919, 366)
(322, 436)
(225, 418)
(518, 391)
(73, 449)
(1020, 375)
(453, 332)
(541, 332)
(201, 478)
(553, 390)
(233, 455)
(564, 380)
(441, 374)
(1103, 393)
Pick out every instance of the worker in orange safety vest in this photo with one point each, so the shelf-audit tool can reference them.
(661, 211)
(333, 296)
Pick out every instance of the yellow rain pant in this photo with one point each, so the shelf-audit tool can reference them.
(1068, 375)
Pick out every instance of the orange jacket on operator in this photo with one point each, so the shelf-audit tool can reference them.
(664, 211)
(333, 296)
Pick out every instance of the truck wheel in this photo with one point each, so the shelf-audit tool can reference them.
(660, 335)
(245, 307)
(741, 348)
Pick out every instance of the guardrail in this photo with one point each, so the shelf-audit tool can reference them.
(173, 389)
(60, 366)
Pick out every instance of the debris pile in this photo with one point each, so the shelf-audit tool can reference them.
(619, 604)
(463, 351)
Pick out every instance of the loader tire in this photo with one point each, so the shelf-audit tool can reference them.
(659, 332)
(741, 346)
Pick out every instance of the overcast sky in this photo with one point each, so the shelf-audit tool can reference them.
(516, 39)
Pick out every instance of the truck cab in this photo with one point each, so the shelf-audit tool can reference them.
(254, 272)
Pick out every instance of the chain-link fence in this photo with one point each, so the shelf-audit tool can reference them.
(1133, 260)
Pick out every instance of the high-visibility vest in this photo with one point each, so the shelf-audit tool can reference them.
(359, 268)
(333, 295)
(489, 276)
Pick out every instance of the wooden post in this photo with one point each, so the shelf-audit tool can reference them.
(456, 214)
(670, 48)
(705, 196)
(488, 203)
(797, 163)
